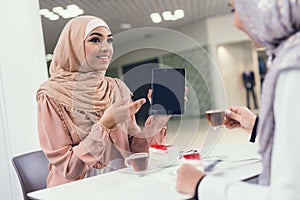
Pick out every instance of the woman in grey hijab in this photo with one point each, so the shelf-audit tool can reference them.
(274, 24)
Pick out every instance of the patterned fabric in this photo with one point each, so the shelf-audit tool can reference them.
(275, 24)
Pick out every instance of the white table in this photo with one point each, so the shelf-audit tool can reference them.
(157, 185)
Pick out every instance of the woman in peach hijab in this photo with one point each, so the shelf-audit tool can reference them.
(85, 119)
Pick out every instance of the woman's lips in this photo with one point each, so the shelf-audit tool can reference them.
(104, 58)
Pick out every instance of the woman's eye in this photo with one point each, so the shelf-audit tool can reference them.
(95, 40)
(110, 40)
(232, 10)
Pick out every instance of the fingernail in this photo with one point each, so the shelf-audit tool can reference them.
(227, 112)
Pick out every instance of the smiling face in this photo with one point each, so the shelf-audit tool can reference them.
(98, 48)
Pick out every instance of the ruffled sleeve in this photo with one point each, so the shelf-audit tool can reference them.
(69, 161)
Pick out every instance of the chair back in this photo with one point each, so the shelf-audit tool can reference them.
(32, 170)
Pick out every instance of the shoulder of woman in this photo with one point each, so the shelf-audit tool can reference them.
(42, 97)
(41, 94)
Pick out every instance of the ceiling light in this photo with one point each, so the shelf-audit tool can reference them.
(72, 7)
(80, 11)
(70, 12)
(49, 14)
(125, 26)
(49, 57)
(174, 18)
(179, 13)
(54, 17)
(156, 18)
(44, 11)
(57, 9)
(167, 15)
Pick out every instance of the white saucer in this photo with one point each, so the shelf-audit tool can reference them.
(129, 170)
(163, 165)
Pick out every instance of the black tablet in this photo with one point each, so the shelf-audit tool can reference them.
(168, 87)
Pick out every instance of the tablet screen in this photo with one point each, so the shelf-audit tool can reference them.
(168, 85)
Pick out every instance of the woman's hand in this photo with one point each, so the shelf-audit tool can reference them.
(161, 119)
(240, 117)
(120, 111)
(187, 179)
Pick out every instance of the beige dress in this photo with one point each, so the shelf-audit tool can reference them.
(71, 156)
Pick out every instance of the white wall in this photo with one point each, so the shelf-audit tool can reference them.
(222, 32)
(234, 59)
(23, 68)
(182, 38)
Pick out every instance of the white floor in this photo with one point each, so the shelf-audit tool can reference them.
(196, 134)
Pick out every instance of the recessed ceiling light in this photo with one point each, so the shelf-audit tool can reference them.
(174, 18)
(125, 26)
(70, 12)
(179, 13)
(72, 7)
(44, 11)
(156, 18)
(54, 17)
(57, 9)
(167, 15)
(49, 57)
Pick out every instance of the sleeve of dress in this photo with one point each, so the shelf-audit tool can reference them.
(254, 131)
(285, 165)
(71, 160)
(139, 140)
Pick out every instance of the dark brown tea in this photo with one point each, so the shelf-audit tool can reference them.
(139, 164)
(138, 161)
(215, 118)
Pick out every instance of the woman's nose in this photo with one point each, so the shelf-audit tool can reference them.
(104, 45)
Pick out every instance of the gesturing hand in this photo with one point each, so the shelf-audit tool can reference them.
(120, 111)
(240, 117)
(161, 119)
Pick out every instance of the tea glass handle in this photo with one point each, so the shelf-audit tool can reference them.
(127, 162)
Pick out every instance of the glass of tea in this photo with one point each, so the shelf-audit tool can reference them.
(138, 162)
(215, 118)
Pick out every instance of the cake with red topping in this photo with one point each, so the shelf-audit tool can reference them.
(193, 158)
(163, 155)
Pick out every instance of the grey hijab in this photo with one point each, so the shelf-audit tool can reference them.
(276, 25)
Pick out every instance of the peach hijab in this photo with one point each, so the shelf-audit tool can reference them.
(73, 84)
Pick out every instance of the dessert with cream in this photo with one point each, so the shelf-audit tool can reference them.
(193, 158)
(163, 155)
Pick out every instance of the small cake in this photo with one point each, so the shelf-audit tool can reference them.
(193, 158)
(163, 155)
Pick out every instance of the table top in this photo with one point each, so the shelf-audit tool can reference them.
(157, 183)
